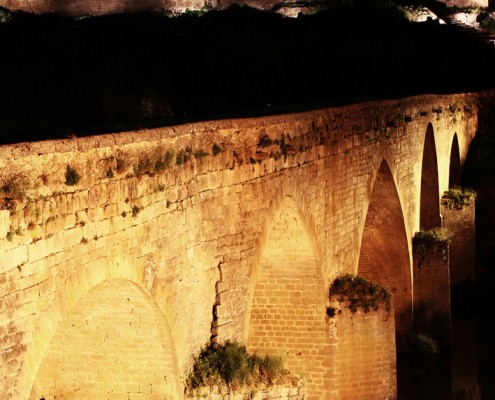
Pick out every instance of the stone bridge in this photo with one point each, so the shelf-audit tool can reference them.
(123, 254)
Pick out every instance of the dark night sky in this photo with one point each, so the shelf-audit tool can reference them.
(62, 75)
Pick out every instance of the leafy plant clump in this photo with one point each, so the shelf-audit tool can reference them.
(230, 364)
(72, 177)
(135, 211)
(435, 235)
(424, 344)
(183, 156)
(360, 293)
(458, 198)
(436, 239)
(216, 149)
(201, 154)
(5, 15)
(265, 141)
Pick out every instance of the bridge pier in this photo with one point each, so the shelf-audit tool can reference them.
(432, 308)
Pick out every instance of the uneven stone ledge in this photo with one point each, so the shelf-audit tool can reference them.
(273, 393)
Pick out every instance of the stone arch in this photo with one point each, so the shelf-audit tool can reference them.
(289, 299)
(455, 170)
(114, 342)
(67, 298)
(430, 197)
(384, 255)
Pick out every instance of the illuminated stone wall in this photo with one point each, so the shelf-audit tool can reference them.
(365, 357)
(466, 3)
(97, 7)
(192, 236)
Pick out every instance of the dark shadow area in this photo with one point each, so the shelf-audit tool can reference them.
(62, 76)
(455, 171)
(479, 173)
(423, 377)
(430, 204)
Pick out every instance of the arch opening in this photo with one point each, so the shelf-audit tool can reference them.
(384, 255)
(455, 171)
(115, 341)
(288, 307)
(430, 198)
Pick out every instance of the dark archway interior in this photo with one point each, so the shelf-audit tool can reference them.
(384, 256)
(455, 172)
(430, 198)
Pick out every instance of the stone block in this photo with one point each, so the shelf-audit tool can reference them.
(4, 223)
(13, 258)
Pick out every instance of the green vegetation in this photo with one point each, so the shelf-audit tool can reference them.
(216, 149)
(360, 293)
(164, 161)
(155, 162)
(198, 154)
(110, 173)
(423, 343)
(144, 166)
(436, 239)
(72, 177)
(230, 364)
(458, 198)
(182, 157)
(135, 211)
(486, 21)
(5, 15)
(265, 141)
(121, 165)
(15, 187)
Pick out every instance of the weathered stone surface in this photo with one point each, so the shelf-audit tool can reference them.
(191, 236)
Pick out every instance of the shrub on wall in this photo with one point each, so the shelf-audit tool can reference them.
(72, 177)
(436, 240)
(15, 187)
(231, 365)
(458, 198)
(360, 293)
(216, 149)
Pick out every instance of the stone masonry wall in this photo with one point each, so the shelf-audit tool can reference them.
(296, 391)
(432, 306)
(288, 308)
(97, 7)
(460, 224)
(189, 228)
(366, 363)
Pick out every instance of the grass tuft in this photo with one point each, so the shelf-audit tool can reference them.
(230, 364)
